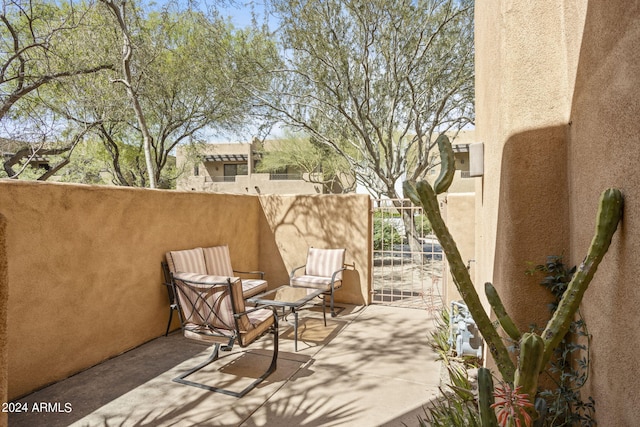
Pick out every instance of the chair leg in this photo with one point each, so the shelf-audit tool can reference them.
(333, 312)
(324, 311)
(169, 324)
(272, 367)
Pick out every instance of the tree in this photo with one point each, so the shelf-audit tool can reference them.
(191, 72)
(318, 163)
(36, 55)
(38, 50)
(129, 80)
(376, 83)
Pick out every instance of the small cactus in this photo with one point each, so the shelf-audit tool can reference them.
(501, 313)
(447, 165)
(531, 350)
(486, 398)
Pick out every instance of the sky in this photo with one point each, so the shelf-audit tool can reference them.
(241, 12)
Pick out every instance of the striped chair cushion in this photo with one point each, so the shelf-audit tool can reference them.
(253, 287)
(324, 262)
(188, 261)
(218, 260)
(316, 282)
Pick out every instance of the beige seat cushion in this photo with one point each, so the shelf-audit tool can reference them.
(187, 261)
(324, 262)
(315, 282)
(218, 263)
(218, 260)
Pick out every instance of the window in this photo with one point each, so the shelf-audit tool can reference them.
(196, 170)
(235, 169)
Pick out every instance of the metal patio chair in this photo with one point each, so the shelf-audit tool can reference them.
(212, 311)
(323, 270)
(214, 261)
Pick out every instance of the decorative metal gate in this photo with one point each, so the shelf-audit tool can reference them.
(408, 262)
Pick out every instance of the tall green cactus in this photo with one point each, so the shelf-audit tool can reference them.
(609, 214)
(535, 350)
(422, 194)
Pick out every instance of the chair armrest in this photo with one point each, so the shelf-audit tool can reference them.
(296, 269)
(260, 273)
(251, 310)
(273, 309)
(335, 273)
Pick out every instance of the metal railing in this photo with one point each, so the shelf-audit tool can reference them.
(404, 274)
(220, 178)
(285, 176)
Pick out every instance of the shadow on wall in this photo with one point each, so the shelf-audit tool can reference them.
(532, 219)
(602, 153)
(292, 224)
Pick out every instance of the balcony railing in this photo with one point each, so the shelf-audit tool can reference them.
(220, 178)
(285, 176)
(272, 177)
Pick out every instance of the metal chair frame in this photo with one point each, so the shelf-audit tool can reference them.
(224, 338)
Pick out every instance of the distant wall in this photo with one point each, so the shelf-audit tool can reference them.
(84, 275)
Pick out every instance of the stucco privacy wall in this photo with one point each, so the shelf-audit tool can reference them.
(525, 67)
(557, 107)
(458, 211)
(294, 223)
(604, 140)
(84, 267)
(4, 294)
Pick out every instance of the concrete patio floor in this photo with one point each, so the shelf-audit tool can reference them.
(370, 366)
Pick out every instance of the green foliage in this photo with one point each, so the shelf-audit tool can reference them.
(423, 226)
(313, 160)
(456, 405)
(375, 83)
(194, 76)
(569, 368)
(385, 234)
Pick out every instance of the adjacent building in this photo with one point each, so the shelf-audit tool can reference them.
(231, 168)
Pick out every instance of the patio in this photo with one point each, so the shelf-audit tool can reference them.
(371, 366)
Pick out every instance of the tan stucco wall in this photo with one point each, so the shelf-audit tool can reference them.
(4, 295)
(604, 138)
(294, 223)
(460, 218)
(557, 107)
(524, 76)
(84, 265)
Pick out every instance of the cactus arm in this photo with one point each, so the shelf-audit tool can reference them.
(529, 366)
(486, 398)
(447, 165)
(429, 202)
(501, 313)
(609, 215)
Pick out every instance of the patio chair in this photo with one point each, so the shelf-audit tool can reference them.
(218, 263)
(212, 311)
(323, 270)
(214, 261)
